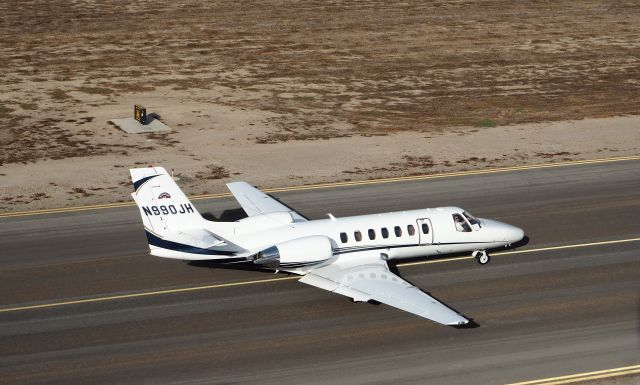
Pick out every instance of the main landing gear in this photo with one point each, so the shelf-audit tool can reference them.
(481, 256)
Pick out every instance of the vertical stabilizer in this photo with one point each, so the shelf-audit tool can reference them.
(163, 206)
(173, 225)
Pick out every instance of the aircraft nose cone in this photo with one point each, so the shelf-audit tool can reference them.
(514, 234)
(503, 232)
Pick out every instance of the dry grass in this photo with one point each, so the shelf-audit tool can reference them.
(59, 95)
(29, 106)
(213, 172)
(95, 90)
(407, 165)
(365, 67)
(5, 111)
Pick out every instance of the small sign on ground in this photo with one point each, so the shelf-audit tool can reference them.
(141, 122)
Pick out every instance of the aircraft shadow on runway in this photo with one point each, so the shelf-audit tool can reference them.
(231, 215)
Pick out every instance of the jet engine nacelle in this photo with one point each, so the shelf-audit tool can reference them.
(295, 253)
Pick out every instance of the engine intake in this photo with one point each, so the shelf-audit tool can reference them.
(295, 253)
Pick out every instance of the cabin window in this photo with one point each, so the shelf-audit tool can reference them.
(372, 234)
(384, 232)
(398, 231)
(358, 236)
(411, 230)
(461, 224)
(344, 238)
(425, 228)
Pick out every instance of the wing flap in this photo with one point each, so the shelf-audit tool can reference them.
(255, 202)
(329, 285)
(375, 281)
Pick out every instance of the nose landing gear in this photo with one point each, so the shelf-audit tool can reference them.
(481, 256)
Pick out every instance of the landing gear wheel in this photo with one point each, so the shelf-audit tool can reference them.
(481, 256)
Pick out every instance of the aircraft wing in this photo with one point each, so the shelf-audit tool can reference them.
(255, 202)
(370, 279)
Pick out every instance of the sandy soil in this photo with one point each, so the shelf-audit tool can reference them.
(281, 93)
(205, 163)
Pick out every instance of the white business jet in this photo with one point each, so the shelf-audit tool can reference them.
(347, 255)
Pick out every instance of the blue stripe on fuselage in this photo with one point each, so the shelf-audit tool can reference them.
(154, 240)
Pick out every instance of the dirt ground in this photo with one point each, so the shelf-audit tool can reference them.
(285, 93)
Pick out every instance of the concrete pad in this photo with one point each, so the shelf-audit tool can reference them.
(132, 126)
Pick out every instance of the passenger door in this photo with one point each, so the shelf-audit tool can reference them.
(426, 231)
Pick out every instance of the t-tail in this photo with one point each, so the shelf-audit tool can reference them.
(173, 225)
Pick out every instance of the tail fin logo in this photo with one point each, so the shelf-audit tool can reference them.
(164, 195)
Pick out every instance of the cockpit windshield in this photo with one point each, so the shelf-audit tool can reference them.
(472, 220)
(461, 223)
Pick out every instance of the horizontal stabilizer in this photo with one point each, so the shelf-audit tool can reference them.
(255, 202)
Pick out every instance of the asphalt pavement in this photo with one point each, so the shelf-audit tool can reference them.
(540, 313)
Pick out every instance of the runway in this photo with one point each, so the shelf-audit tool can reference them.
(541, 314)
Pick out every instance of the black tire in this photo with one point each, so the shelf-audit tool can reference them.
(483, 258)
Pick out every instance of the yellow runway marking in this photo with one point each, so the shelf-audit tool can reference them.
(340, 184)
(242, 283)
(145, 294)
(584, 376)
